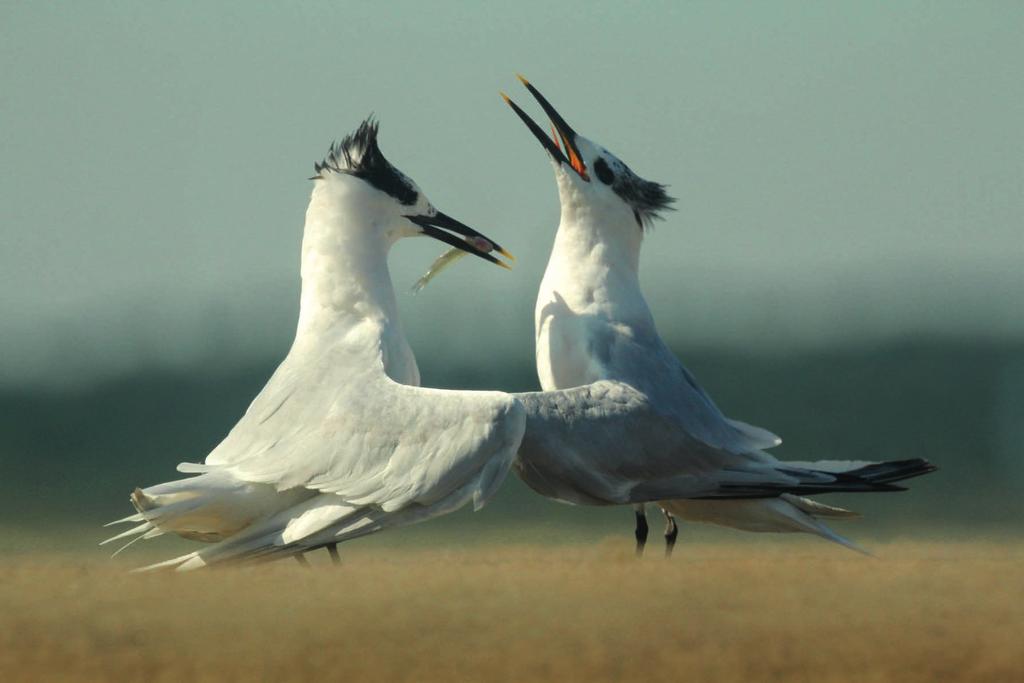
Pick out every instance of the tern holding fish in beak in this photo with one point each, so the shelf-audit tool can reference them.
(341, 442)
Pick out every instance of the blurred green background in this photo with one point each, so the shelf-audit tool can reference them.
(844, 268)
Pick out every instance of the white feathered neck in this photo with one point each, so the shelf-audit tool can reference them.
(595, 260)
(347, 295)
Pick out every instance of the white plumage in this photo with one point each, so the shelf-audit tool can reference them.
(340, 442)
(621, 421)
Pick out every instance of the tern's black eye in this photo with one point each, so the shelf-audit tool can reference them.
(604, 173)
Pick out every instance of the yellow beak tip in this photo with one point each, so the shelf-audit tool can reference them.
(522, 79)
(507, 254)
(504, 97)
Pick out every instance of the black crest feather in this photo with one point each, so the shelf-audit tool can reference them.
(359, 155)
(647, 198)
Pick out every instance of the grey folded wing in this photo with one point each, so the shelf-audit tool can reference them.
(608, 443)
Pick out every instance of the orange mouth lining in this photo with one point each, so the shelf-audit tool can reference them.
(574, 161)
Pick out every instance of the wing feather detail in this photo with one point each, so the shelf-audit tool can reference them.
(369, 440)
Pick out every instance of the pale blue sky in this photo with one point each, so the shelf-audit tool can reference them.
(845, 171)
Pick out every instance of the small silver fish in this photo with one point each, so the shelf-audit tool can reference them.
(440, 263)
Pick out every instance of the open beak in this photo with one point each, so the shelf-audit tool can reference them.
(471, 241)
(568, 153)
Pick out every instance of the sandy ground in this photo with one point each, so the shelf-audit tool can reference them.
(781, 611)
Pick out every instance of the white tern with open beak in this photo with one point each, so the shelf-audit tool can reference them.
(621, 421)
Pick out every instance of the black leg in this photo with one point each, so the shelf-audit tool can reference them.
(332, 548)
(301, 559)
(641, 530)
(671, 531)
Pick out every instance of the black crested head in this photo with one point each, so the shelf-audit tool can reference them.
(359, 155)
(647, 198)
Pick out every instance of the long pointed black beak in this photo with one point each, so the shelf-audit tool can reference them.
(559, 126)
(474, 243)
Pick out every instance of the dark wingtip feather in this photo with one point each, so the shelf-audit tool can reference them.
(895, 470)
(876, 477)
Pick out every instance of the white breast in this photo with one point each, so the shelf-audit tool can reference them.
(589, 298)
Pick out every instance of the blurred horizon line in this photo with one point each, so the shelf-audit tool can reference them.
(438, 369)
